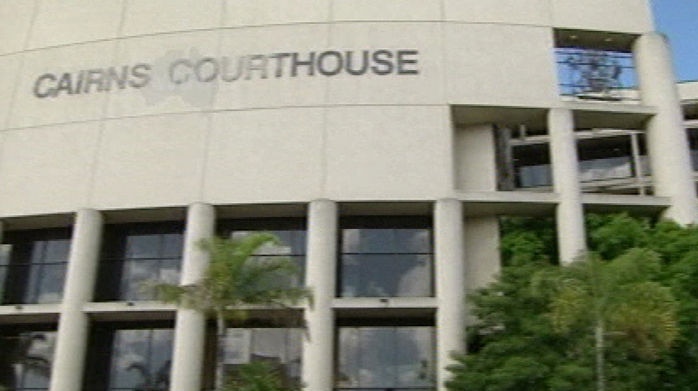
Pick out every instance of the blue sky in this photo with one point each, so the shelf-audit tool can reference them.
(679, 20)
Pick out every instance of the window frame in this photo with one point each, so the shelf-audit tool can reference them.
(114, 258)
(22, 268)
(384, 222)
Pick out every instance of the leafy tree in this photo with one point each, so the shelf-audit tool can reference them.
(530, 335)
(235, 279)
(616, 299)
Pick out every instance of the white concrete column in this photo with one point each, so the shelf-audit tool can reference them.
(482, 251)
(321, 271)
(73, 328)
(563, 156)
(449, 265)
(667, 144)
(190, 326)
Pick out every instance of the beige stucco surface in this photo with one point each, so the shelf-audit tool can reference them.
(274, 139)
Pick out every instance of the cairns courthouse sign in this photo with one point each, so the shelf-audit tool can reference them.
(230, 69)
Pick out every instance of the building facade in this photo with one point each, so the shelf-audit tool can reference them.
(382, 141)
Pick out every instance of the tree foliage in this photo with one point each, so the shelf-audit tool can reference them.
(237, 278)
(536, 321)
(257, 376)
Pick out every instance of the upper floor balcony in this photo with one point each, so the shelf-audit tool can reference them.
(596, 66)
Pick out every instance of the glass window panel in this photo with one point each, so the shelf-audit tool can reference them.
(5, 252)
(269, 345)
(294, 348)
(412, 241)
(129, 358)
(386, 275)
(25, 281)
(348, 362)
(292, 238)
(142, 246)
(22, 252)
(351, 277)
(377, 361)
(285, 246)
(110, 278)
(172, 245)
(298, 241)
(3, 275)
(26, 360)
(280, 347)
(135, 254)
(286, 243)
(36, 363)
(141, 359)
(161, 355)
(135, 276)
(237, 346)
(50, 283)
(169, 271)
(414, 276)
(37, 252)
(380, 358)
(31, 293)
(299, 278)
(19, 289)
(56, 251)
(414, 352)
(380, 262)
(602, 169)
(368, 240)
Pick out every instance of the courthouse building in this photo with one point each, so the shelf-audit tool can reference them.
(382, 140)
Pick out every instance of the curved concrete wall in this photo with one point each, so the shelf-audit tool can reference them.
(160, 137)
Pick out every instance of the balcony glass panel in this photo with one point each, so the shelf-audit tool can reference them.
(602, 169)
(594, 74)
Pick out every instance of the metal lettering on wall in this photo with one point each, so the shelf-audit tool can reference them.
(182, 71)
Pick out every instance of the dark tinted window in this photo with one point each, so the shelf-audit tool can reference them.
(385, 358)
(25, 362)
(693, 143)
(133, 255)
(33, 265)
(129, 359)
(383, 257)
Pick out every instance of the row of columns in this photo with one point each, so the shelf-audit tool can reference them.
(190, 327)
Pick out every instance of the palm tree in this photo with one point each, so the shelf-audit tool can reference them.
(235, 279)
(615, 299)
